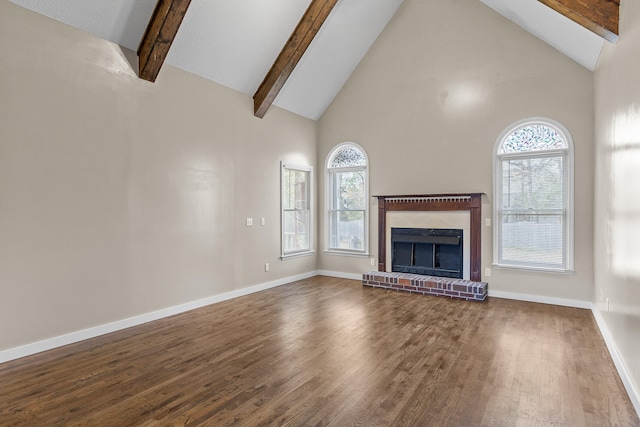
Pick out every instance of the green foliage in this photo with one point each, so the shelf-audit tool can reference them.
(533, 183)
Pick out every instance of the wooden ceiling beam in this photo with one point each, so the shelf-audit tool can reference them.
(598, 16)
(161, 31)
(298, 42)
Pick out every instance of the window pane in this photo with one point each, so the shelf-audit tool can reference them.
(532, 205)
(348, 156)
(533, 238)
(346, 230)
(295, 189)
(347, 202)
(296, 231)
(296, 205)
(348, 190)
(533, 137)
(533, 183)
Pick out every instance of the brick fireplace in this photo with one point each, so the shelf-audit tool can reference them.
(470, 288)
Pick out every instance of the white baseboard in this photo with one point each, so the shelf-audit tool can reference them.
(70, 338)
(340, 275)
(541, 299)
(632, 390)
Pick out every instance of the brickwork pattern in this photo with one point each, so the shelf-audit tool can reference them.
(427, 285)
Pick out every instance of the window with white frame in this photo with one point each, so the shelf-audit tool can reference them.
(346, 190)
(533, 196)
(296, 210)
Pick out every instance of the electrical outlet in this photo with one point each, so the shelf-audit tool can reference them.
(487, 272)
(262, 221)
(373, 261)
(266, 267)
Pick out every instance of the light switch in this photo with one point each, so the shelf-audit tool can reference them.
(249, 222)
(262, 221)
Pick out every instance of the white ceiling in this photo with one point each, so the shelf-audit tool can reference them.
(234, 42)
(570, 38)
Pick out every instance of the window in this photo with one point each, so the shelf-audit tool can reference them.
(296, 210)
(533, 196)
(347, 200)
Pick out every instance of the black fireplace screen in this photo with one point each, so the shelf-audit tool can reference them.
(427, 251)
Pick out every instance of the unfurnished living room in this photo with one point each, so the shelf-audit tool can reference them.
(320, 212)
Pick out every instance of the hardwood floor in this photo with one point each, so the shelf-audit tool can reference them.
(328, 351)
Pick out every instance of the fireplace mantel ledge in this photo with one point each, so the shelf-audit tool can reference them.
(429, 196)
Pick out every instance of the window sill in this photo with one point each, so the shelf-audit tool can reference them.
(534, 268)
(346, 253)
(297, 255)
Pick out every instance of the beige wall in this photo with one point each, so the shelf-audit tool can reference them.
(119, 197)
(430, 99)
(617, 201)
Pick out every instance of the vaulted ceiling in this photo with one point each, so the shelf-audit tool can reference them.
(236, 42)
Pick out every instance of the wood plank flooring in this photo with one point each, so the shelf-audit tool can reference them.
(328, 351)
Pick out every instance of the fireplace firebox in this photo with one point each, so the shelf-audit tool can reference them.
(427, 251)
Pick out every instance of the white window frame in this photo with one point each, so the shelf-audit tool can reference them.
(328, 191)
(284, 167)
(498, 159)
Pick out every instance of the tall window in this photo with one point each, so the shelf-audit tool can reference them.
(347, 200)
(533, 195)
(296, 210)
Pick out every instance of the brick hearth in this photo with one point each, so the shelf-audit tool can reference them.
(427, 285)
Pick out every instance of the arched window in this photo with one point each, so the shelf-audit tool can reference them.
(347, 203)
(533, 196)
